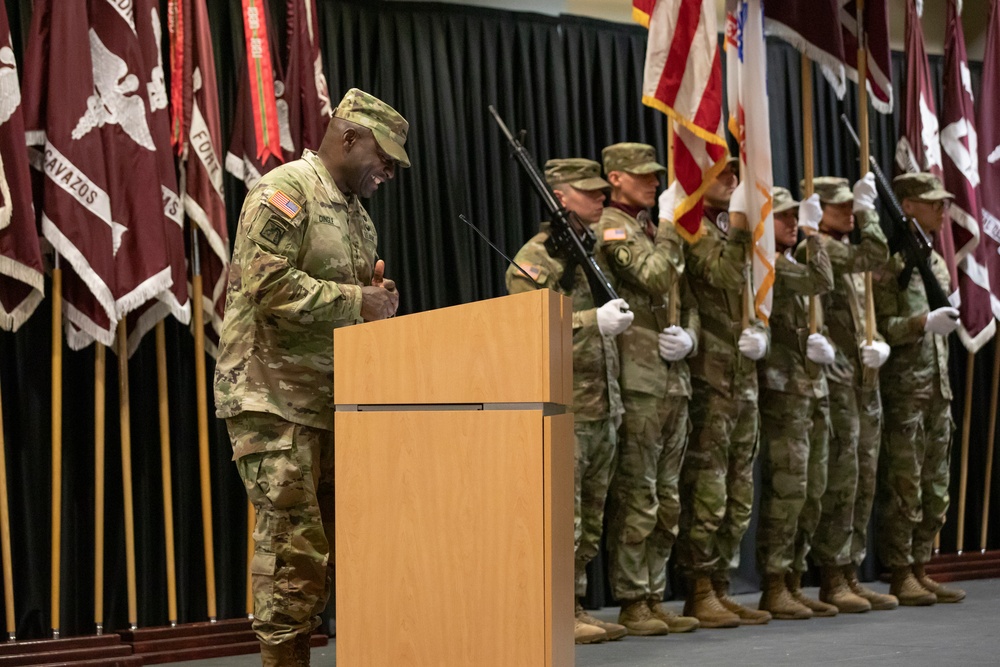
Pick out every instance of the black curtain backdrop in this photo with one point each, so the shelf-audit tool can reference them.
(572, 83)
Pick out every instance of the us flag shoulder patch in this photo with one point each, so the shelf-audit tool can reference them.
(531, 269)
(615, 234)
(281, 202)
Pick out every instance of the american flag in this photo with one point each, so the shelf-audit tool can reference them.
(683, 79)
(281, 201)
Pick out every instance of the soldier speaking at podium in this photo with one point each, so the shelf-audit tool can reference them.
(304, 263)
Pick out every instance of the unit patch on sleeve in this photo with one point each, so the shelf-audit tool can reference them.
(623, 256)
(273, 231)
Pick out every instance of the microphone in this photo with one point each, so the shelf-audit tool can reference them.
(461, 216)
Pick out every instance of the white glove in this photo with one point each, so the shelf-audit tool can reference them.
(675, 343)
(810, 212)
(753, 344)
(874, 355)
(865, 193)
(614, 317)
(818, 350)
(738, 202)
(667, 202)
(942, 321)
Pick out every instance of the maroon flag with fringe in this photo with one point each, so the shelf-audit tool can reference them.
(875, 24)
(306, 93)
(806, 26)
(989, 154)
(960, 160)
(197, 138)
(21, 272)
(919, 147)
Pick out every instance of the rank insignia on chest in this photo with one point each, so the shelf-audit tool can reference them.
(623, 256)
(273, 231)
(281, 202)
(616, 234)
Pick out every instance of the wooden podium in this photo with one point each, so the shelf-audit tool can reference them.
(454, 486)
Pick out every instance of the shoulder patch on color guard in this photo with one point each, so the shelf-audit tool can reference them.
(531, 269)
(615, 234)
(623, 256)
(284, 204)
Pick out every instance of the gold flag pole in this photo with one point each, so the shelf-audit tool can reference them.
(165, 473)
(203, 454)
(809, 162)
(673, 309)
(863, 131)
(100, 395)
(126, 440)
(56, 538)
(251, 522)
(8, 569)
(989, 445)
(963, 479)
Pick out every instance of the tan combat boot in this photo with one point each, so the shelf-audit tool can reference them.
(702, 604)
(639, 620)
(819, 608)
(942, 593)
(779, 602)
(833, 590)
(612, 630)
(584, 633)
(675, 622)
(279, 655)
(746, 615)
(908, 590)
(878, 601)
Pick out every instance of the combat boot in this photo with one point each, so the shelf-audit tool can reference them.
(639, 620)
(942, 593)
(279, 655)
(779, 602)
(612, 630)
(833, 590)
(584, 633)
(878, 601)
(675, 622)
(746, 615)
(819, 608)
(702, 604)
(908, 590)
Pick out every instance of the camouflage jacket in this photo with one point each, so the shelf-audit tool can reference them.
(786, 367)
(919, 361)
(303, 250)
(648, 274)
(596, 394)
(844, 306)
(716, 263)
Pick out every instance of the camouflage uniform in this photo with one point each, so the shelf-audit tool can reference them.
(794, 412)
(596, 394)
(303, 250)
(914, 469)
(648, 264)
(717, 474)
(855, 404)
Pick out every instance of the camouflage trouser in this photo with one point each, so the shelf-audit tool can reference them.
(832, 543)
(291, 487)
(595, 452)
(869, 444)
(645, 503)
(716, 482)
(913, 476)
(795, 433)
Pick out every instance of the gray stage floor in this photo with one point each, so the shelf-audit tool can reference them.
(959, 634)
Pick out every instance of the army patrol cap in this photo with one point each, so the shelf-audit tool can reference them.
(386, 124)
(783, 200)
(922, 187)
(580, 173)
(831, 189)
(631, 158)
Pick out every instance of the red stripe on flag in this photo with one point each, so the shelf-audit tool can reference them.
(688, 18)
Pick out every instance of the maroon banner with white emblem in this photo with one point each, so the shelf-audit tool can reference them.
(21, 279)
(875, 22)
(919, 147)
(960, 160)
(306, 93)
(989, 154)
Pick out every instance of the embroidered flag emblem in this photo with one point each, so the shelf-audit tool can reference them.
(280, 201)
(531, 269)
(616, 234)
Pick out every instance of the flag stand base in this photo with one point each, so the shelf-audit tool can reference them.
(86, 651)
(957, 567)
